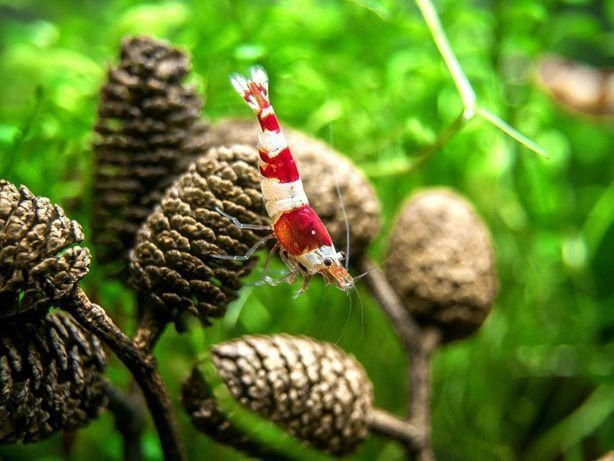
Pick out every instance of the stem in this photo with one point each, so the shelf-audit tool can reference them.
(419, 345)
(128, 420)
(461, 81)
(409, 166)
(151, 326)
(142, 366)
(405, 327)
(439, 37)
(381, 422)
(419, 404)
(510, 131)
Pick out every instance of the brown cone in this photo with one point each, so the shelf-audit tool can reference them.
(50, 377)
(40, 261)
(441, 263)
(577, 86)
(321, 169)
(149, 129)
(315, 391)
(171, 262)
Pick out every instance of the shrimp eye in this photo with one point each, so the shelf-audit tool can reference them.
(327, 261)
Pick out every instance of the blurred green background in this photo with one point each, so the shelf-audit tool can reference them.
(537, 381)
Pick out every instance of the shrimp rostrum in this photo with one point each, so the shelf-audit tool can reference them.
(303, 241)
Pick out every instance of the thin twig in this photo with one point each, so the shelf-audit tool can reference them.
(419, 402)
(151, 326)
(128, 420)
(510, 131)
(142, 366)
(419, 345)
(407, 330)
(461, 81)
(408, 166)
(383, 423)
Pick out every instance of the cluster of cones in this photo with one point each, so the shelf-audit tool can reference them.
(160, 174)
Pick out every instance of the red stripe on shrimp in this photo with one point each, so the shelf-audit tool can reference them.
(301, 230)
(280, 166)
(269, 122)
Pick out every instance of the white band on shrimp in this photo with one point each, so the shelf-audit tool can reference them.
(280, 197)
(272, 142)
(266, 111)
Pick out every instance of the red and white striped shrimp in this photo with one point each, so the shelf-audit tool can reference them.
(305, 244)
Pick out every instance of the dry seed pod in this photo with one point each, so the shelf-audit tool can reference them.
(315, 391)
(149, 130)
(50, 377)
(441, 263)
(579, 87)
(171, 261)
(40, 261)
(321, 169)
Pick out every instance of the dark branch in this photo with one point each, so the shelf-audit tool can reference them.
(151, 326)
(142, 366)
(419, 345)
(383, 423)
(407, 330)
(128, 420)
(419, 402)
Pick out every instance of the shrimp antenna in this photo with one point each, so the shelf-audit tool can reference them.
(345, 218)
(358, 277)
(347, 320)
(362, 313)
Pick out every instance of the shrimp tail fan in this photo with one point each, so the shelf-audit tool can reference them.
(254, 90)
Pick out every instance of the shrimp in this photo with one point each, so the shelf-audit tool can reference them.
(302, 238)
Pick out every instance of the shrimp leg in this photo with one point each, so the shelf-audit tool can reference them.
(304, 287)
(241, 225)
(290, 278)
(249, 253)
(265, 268)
